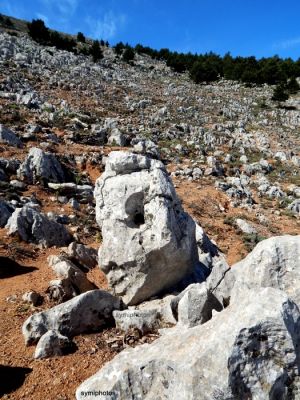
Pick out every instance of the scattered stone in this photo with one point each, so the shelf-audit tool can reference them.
(33, 226)
(9, 137)
(72, 277)
(33, 298)
(85, 257)
(41, 166)
(6, 211)
(245, 227)
(52, 344)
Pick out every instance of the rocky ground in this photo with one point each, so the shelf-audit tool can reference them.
(233, 156)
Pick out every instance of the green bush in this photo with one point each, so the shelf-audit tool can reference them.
(280, 93)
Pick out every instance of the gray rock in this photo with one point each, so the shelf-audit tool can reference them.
(117, 138)
(52, 344)
(244, 226)
(32, 226)
(86, 257)
(148, 240)
(295, 206)
(3, 176)
(32, 297)
(100, 133)
(74, 279)
(41, 166)
(9, 137)
(87, 312)
(249, 350)
(273, 263)
(194, 305)
(162, 307)
(17, 184)
(143, 320)
(147, 147)
(6, 211)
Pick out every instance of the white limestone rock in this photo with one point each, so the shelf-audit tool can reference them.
(249, 350)
(148, 240)
(41, 166)
(87, 312)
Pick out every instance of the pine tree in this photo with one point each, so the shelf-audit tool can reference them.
(96, 51)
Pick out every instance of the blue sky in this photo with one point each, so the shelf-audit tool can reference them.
(243, 27)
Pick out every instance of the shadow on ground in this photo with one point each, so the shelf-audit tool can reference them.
(9, 268)
(12, 378)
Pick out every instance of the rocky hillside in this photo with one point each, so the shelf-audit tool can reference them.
(174, 183)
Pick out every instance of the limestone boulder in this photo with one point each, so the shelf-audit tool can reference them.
(149, 242)
(85, 313)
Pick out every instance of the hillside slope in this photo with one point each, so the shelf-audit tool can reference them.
(232, 153)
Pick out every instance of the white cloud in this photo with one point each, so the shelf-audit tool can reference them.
(287, 44)
(63, 7)
(106, 27)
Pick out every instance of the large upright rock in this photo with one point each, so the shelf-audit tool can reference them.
(149, 242)
(41, 166)
(248, 351)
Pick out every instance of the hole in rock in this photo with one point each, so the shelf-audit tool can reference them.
(134, 208)
(139, 219)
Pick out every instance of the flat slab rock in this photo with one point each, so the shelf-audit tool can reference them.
(247, 351)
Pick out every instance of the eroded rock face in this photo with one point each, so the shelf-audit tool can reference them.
(248, 351)
(41, 166)
(148, 240)
(84, 313)
(274, 262)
